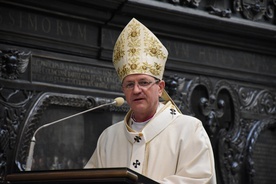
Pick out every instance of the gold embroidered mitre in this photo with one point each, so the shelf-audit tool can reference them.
(138, 51)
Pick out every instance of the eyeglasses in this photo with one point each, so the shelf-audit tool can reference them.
(144, 84)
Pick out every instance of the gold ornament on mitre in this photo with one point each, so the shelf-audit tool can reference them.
(138, 51)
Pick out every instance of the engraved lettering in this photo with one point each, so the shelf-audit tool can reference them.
(70, 29)
(181, 50)
(32, 22)
(263, 67)
(59, 28)
(73, 74)
(82, 32)
(46, 25)
(177, 49)
(219, 57)
(212, 55)
(12, 20)
(230, 60)
(247, 60)
(222, 58)
(185, 50)
(111, 36)
(202, 54)
(108, 37)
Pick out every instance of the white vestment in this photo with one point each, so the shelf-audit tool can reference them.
(172, 148)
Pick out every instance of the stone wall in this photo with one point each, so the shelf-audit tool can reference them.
(56, 59)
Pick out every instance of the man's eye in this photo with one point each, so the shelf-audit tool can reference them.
(144, 83)
(129, 85)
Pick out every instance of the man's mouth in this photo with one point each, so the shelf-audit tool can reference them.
(137, 99)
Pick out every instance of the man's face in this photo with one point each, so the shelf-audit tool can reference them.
(142, 92)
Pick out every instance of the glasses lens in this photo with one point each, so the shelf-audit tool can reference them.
(144, 83)
(141, 84)
(129, 85)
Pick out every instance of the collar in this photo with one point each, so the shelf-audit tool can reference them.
(164, 115)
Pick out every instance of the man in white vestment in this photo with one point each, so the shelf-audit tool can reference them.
(154, 139)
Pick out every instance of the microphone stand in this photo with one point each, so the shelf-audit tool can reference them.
(32, 145)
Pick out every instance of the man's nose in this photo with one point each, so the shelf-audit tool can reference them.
(136, 88)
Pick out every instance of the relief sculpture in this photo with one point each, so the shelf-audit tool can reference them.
(13, 63)
(249, 9)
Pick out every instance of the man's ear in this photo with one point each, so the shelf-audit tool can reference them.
(161, 87)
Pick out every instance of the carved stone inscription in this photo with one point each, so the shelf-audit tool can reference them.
(68, 30)
(205, 55)
(72, 74)
(220, 57)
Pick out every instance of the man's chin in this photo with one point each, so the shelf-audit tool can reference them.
(137, 106)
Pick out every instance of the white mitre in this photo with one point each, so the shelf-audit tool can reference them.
(138, 51)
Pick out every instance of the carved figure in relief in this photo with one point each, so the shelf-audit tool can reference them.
(13, 63)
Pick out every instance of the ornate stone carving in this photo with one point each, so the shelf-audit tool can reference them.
(212, 109)
(231, 151)
(13, 63)
(174, 87)
(229, 113)
(191, 3)
(249, 9)
(257, 101)
(13, 105)
(217, 11)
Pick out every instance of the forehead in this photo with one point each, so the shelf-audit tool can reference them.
(137, 77)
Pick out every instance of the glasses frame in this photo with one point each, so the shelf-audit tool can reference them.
(150, 83)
